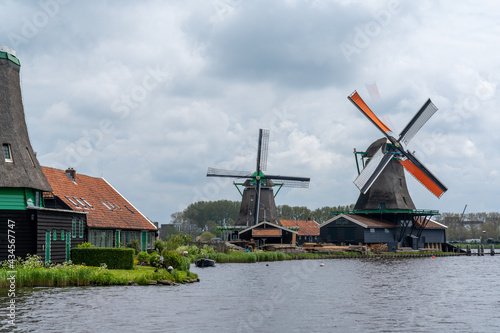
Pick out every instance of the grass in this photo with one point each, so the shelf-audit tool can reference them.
(32, 273)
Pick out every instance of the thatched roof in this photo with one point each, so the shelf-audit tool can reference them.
(24, 169)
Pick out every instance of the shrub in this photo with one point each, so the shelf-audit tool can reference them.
(134, 244)
(85, 245)
(143, 257)
(206, 236)
(154, 260)
(176, 260)
(159, 245)
(95, 256)
(178, 240)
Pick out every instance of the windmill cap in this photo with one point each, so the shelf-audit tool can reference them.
(7, 50)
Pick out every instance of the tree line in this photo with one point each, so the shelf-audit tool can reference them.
(471, 225)
(208, 215)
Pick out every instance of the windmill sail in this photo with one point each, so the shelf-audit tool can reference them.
(423, 175)
(420, 118)
(361, 105)
(372, 170)
(213, 172)
(264, 149)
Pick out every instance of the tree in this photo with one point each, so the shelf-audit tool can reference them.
(206, 236)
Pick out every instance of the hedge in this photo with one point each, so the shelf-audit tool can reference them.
(114, 258)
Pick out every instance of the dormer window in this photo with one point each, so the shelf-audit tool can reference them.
(7, 152)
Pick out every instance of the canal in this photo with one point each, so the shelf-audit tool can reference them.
(454, 294)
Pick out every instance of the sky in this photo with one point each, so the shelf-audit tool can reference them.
(149, 94)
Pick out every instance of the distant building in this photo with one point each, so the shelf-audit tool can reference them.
(308, 231)
(369, 229)
(112, 221)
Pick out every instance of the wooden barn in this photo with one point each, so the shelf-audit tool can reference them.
(268, 233)
(27, 226)
(112, 221)
(308, 231)
(412, 232)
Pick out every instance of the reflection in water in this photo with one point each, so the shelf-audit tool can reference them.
(385, 295)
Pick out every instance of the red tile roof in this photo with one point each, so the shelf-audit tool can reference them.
(306, 228)
(99, 194)
(431, 224)
(268, 232)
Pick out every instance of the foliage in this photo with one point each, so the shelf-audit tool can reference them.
(471, 225)
(136, 245)
(176, 241)
(303, 213)
(154, 260)
(159, 245)
(192, 250)
(114, 258)
(176, 260)
(84, 245)
(206, 236)
(143, 258)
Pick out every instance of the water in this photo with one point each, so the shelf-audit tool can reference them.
(454, 294)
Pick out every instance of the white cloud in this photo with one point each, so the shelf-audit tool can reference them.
(233, 67)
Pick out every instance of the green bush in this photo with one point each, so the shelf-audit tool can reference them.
(85, 245)
(136, 245)
(114, 258)
(143, 257)
(159, 245)
(154, 260)
(176, 260)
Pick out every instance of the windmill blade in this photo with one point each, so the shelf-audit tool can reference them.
(264, 143)
(418, 120)
(423, 175)
(361, 105)
(372, 170)
(212, 172)
(289, 181)
(293, 183)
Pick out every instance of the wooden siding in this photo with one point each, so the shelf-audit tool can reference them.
(50, 220)
(25, 233)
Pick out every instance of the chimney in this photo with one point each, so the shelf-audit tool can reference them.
(71, 173)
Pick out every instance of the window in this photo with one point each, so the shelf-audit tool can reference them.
(62, 235)
(54, 235)
(372, 229)
(92, 207)
(7, 152)
(73, 228)
(80, 234)
(37, 199)
(29, 155)
(106, 206)
(129, 209)
(72, 201)
(81, 203)
(386, 231)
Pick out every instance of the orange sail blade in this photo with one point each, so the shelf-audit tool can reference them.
(431, 184)
(358, 101)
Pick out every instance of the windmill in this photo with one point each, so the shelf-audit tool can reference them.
(383, 185)
(257, 198)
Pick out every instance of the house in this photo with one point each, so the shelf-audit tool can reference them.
(112, 221)
(418, 232)
(308, 231)
(268, 233)
(27, 226)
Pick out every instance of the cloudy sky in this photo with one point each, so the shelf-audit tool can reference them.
(149, 94)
